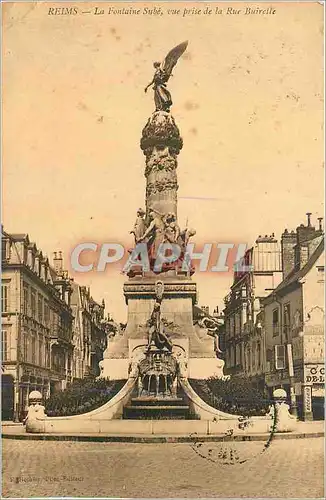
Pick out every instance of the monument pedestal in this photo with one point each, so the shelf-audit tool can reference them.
(196, 350)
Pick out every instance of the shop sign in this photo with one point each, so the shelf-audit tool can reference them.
(307, 399)
(314, 374)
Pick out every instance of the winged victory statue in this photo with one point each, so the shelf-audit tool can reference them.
(163, 71)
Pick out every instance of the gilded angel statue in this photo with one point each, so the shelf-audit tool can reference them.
(163, 71)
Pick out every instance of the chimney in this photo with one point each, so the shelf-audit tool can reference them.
(306, 233)
(58, 262)
(308, 214)
(320, 222)
(305, 238)
(288, 242)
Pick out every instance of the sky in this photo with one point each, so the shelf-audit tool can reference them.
(248, 100)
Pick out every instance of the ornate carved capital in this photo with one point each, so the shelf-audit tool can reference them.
(161, 131)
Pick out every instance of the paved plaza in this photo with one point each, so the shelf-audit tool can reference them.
(288, 468)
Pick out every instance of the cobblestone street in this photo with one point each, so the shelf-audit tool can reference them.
(289, 469)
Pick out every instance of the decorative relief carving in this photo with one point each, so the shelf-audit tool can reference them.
(162, 185)
(157, 163)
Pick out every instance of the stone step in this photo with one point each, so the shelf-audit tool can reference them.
(167, 407)
(156, 412)
(153, 401)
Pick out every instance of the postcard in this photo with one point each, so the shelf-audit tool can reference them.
(163, 249)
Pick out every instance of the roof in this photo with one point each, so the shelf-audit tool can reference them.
(18, 236)
(296, 275)
(198, 312)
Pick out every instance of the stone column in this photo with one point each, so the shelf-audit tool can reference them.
(161, 143)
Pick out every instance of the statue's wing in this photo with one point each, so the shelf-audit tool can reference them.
(172, 58)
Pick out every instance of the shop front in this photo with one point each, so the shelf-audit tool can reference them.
(314, 391)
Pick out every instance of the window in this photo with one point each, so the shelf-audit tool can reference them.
(37, 350)
(231, 326)
(33, 303)
(280, 357)
(41, 351)
(40, 308)
(253, 358)
(5, 345)
(26, 300)
(237, 323)
(33, 360)
(46, 313)
(5, 297)
(48, 354)
(276, 324)
(25, 346)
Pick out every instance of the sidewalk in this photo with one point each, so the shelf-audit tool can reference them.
(10, 423)
(307, 427)
(17, 431)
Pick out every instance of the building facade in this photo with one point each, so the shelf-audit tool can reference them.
(294, 323)
(255, 276)
(89, 332)
(53, 331)
(37, 347)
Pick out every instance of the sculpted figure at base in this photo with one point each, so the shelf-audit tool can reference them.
(163, 71)
(162, 228)
(212, 327)
(139, 227)
(171, 230)
(156, 332)
(154, 233)
(185, 236)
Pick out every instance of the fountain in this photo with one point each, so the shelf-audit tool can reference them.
(160, 348)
